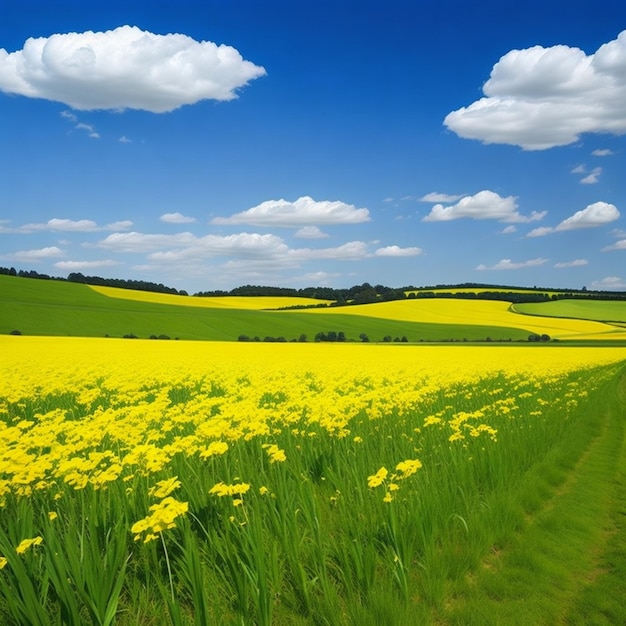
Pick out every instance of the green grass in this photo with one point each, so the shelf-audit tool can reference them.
(40, 307)
(598, 310)
(567, 563)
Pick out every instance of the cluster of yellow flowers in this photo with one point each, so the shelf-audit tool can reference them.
(91, 412)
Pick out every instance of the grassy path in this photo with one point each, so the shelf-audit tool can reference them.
(567, 565)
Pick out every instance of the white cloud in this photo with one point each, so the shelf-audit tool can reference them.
(509, 229)
(596, 214)
(592, 177)
(397, 251)
(603, 152)
(507, 264)
(538, 98)
(434, 196)
(124, 139)
(310, 232)
(89, 129)
(125, 68)
(187, 248)
(303, 212)
(485, 205)
(618, 245)
(579, 169)
(73, 266)
(176, 218)
(32, 256)
(542, 231)
(82, 226)
(609, 283)
(575, 263)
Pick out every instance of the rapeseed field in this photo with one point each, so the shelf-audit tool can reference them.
(265, 484)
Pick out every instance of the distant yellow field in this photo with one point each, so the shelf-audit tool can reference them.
(484, 290)
(218, 302)
(479, 312)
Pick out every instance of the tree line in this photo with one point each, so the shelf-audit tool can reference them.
(364, 293)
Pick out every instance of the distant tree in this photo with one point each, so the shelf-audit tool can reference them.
(243, 338)
(16, 332)
(341, 336)
(364, 338)
(302, 338)
(387, 338)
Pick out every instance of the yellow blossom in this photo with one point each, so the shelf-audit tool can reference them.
(378, 478)
(27, 543)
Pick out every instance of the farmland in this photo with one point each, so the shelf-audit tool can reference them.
(36, 307)
(228, 482)
(224, 482)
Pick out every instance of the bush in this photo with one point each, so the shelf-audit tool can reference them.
(16, 332)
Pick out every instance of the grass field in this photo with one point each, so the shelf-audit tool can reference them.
(599, 310)
(148, 483)
(38, 307)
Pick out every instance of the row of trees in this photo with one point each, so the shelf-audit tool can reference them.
(357, 294)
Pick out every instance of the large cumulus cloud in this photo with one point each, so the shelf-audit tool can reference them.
(538, 98)
(125, 68)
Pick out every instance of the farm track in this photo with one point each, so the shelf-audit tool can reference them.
(567, 565)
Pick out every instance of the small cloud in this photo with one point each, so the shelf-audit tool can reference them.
(73, 266)
(435, 196)
(78, 226)
(542, 231)
(303, 212)
(592, 177)
(508, 230)
(602, 153)
(596, 214)
(609, 283)
(618, 245)
(32, 256)
(68, 115)
(310, 232)
(398, 252)
(124, 68)
(485, 205)
(579, 169)
(176, 218)
(124, 139)
(576, 263)
(507, 264)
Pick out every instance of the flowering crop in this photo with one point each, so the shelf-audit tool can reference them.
(311, 443)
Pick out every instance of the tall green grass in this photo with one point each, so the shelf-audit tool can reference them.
(598, 310)
(311, 543)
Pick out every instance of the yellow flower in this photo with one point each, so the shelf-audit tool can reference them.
(214, 448)
(263, 491)
(3, 562)
(221, 489)
(388, 497)
(165, 487)
(52, 515)
(408, 467)
(162, 518)
(275, 453)
(27, 543)
(378, 478)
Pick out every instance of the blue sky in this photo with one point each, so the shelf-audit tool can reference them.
(212, 144)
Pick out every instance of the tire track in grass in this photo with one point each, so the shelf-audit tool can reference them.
(568, 564)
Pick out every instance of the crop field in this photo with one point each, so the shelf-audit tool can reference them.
(469, 312)
(147, 482)
(600, 310)
(39, 307)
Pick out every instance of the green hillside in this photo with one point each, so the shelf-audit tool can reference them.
(598, 310)
(42, 307)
